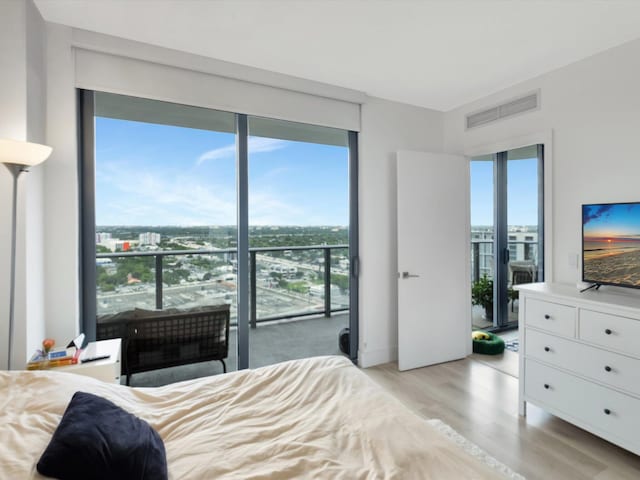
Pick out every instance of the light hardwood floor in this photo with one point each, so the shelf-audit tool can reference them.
(481, 403)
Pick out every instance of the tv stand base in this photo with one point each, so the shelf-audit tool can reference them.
(595, 286)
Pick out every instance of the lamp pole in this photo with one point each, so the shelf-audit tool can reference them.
(17, 156)
(15, 170)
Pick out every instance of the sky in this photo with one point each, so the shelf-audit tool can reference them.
(149, 174)
(522, 192)
(620, 222)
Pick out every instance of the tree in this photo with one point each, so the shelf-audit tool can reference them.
(298, 287)
(138, 267)
(175, 276)
(342, 281)
(104, 281)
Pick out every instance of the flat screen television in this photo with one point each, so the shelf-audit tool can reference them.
(611, 244)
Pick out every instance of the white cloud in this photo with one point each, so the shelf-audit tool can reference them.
(157, 198)
(217, 153)
(266, 208)
(256, 145)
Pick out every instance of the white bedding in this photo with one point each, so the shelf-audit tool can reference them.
(313, 418)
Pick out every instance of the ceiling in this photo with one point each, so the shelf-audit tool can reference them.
(433, 53)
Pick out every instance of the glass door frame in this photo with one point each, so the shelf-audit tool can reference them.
(87, 253)
(501, 254)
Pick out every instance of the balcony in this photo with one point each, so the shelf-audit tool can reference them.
(298, 297)
(523, 268)
(270, 343)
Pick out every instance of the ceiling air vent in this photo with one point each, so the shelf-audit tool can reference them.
(512, 107)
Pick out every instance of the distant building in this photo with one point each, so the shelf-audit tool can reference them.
(522, 244)
(149, 238)
(122, 246)
(102, 237)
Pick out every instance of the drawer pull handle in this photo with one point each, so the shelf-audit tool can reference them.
(547, 349)
(608, 331)
(607, 368)
(607, 411)
(547, 316)
(546, 385)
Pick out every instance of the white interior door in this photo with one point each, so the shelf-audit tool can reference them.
(433, 259)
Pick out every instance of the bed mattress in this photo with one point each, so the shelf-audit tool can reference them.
(314, 418)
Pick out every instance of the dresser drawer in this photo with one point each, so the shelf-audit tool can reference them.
(549, 316)
(614, 415)
(610, 368)
(610, 331)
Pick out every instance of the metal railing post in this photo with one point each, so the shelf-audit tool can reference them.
(158, 282)
(253, 293)
(327, 282)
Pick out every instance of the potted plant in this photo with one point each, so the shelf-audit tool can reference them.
(482, 294)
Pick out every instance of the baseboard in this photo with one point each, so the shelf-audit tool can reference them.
(370, 358)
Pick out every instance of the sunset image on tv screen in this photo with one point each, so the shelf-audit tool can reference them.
(611, 244)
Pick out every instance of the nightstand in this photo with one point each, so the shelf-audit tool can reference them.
(107, 370)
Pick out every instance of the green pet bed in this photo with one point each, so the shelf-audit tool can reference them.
(494, 345)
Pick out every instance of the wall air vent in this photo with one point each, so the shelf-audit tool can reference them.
(513, 107)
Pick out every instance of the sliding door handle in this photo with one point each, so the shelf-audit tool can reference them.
(409, 275)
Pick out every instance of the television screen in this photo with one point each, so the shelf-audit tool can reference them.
(611, 244)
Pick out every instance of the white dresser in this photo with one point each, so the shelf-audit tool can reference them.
(580, 358)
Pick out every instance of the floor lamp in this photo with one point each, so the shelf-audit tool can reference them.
(18, 156)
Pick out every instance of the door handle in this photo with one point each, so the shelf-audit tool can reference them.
(409, 275)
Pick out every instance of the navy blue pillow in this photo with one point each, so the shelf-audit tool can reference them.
(97, 439)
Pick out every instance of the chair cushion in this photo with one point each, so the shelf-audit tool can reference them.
(115, 317)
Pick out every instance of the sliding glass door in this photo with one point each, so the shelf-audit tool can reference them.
(507, 232)
(164, 225)
(186, 207)
(299, 239)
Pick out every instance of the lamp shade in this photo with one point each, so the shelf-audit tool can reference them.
(17, 152)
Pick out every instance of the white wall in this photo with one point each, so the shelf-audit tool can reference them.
(12, 125)
(33, 329)
(61, 189)
(22, 102)
(386, 128)
(593, 109)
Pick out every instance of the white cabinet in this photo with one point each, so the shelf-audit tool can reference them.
(580, 358)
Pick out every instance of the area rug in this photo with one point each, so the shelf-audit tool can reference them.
(474, 450)
(513, 345)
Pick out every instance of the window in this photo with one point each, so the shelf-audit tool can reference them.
(507, 201)
(185, 207)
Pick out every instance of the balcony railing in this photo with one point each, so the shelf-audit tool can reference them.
(484, 249)
(270, 265)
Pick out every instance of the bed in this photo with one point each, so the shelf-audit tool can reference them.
(314, 418)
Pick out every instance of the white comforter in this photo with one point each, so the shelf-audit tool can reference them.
(313, 418)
